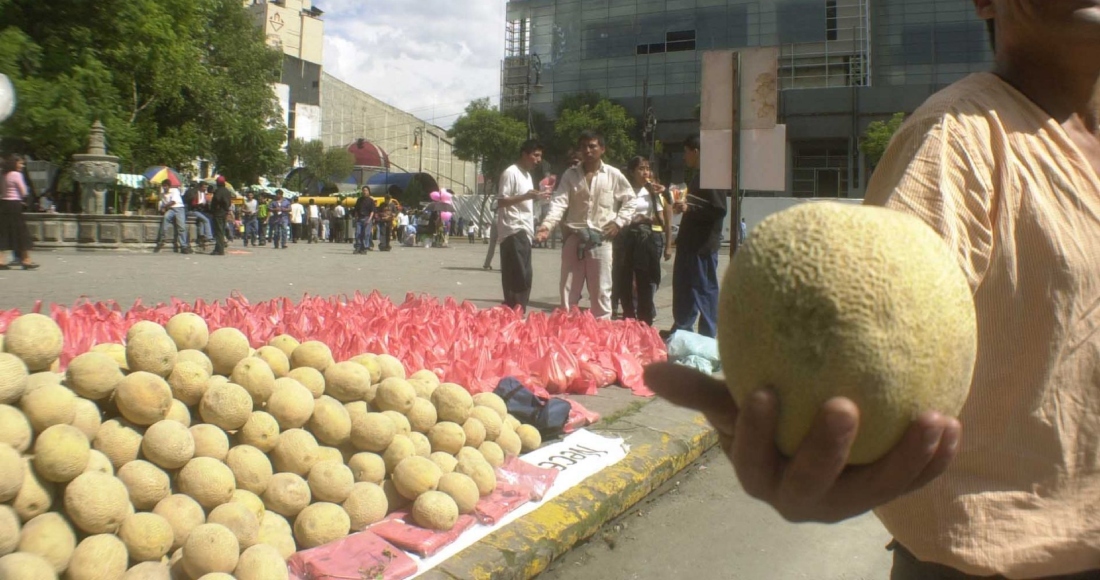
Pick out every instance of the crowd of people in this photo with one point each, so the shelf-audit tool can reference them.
(616, 229)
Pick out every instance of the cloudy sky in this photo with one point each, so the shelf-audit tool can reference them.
(423, 56)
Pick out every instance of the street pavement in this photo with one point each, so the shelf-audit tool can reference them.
(704, 526)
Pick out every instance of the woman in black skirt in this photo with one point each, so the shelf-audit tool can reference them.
(14, 236)
(639, 248)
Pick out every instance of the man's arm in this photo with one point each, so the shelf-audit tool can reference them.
(627, 200)
(707, 204)
(559, 202)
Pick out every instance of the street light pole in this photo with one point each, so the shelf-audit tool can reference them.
(418, 143)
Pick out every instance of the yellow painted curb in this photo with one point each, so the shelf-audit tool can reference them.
(524, 548)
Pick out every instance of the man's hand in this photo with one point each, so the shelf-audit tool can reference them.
(541, 195)
(679, 207)
(542, 234)
(610, 231)
(668, 253)
(815, 484)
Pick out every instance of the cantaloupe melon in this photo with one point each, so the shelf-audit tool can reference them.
(828, 300)
(390, 367)
(394, 394)
(49, 536)
(15, 429)
(146, 483)
(369, 362)
(151, 352)
(312, 353)
(24, 566)
(116, 351)
(208, 481)
(47, 406)
(92, 375)
(365, 505)
(97, 461)
(13, 378)
(60, 453)
(475, 432)
(188, 330)
(310, 378)
(400, 449)
(256, 377)
(285, 343)
(367, 467)
(238, 519)
(179, 413)
(330, 422)
(444, 461)
(493, 401)
(228, 406)
(400, 421)
(260, 431)
(210, 548)
(422, 416)
(320, 524)
(119, 440)
(168, 444)
(287, 494)
(509, 442)
(210, 441)
(490, 420)
(415, 475)
(421, 446)
(462, 489)
(143, 326)
(11, 472)
(153, 571)
(276, 359)
(481, 472)
(147, 536)
(530, 439)
(452, 403)
(36, 339)
(347, 381)
(426, 376)
(183, 514)
(330, 481)
(188, 381)
(447, 437)
(142, 397)
(9, 530)
(36, 495)
(226, 347)
(435, 510)
(290, 403)
(296, 452)
(98, 557)
(96, 502)
(87, 417)
(251, 468)
(370, 431)
(196, 357)
(250, 501)
(261, 562)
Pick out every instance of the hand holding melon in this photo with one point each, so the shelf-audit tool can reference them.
(848, 338)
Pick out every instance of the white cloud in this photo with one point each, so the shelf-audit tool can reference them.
(427, 57)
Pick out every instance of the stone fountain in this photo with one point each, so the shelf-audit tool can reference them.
(95, 171)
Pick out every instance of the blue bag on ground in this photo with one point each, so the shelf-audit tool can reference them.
(694, 350)
(549, 416)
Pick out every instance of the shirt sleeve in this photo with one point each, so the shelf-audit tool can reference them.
(560, 200)
(626, 198)
(508, 184)
(933, 170)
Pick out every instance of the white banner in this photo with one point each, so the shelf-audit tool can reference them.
(577, 457)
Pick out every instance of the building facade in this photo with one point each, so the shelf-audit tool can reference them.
(843, 64)
(412, 144)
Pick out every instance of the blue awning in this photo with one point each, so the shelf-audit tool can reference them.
(381, 182)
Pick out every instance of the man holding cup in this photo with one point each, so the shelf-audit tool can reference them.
(515, 224)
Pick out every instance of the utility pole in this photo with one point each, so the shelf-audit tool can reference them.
(533, 66)
(418, 143)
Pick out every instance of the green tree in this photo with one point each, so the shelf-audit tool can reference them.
(485, 135)
(172, 80)
(877, 137)
(328, 166)
(610, 119)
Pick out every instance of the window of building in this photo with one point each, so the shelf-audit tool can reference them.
(830, 20)
(680, 40)
(820, 170)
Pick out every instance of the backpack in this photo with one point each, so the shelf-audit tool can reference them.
(549, 416)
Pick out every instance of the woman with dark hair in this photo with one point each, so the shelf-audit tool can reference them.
(13, 228)
(638, 249)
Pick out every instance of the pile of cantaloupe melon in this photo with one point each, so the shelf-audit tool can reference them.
(186, 454)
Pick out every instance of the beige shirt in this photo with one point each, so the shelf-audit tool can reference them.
(1019, 204)
(610, 199)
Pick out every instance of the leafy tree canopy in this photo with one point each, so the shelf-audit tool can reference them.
(610, 119)
(172, 80)
(485, 135)
(877, 137)
(328, 166)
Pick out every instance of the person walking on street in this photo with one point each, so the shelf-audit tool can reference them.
(279, 216)
(297, 216)
(640, 247)
(363, 214)
(221, 207)
(695, 269)
(14, 235)
(384, 217)
(262, 216)
(1005, 167)
(249, 214)
(585, 201)
(175, 216)
(515, 224)
(313, 223)
(338, 214)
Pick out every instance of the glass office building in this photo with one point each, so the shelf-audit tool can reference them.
(843, 64)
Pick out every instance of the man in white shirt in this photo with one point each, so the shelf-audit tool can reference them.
(297, 213)
(175, 215)
(314, 223)
(250, 219)
(587, 197)
(515, 222)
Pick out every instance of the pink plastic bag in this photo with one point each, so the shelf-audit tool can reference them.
(536, 480)
(412, 538)
(362, 555)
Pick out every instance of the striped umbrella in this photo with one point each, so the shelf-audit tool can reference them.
(159, 173)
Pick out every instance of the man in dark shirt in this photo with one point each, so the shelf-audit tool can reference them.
(364, 213)
(219, 207)
(695, 271)
(384, 217)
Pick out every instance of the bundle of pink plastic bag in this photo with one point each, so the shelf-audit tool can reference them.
(557, 353)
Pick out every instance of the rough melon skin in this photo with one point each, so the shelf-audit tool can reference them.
(11, 472)
(188, 330)
(97, 503)
(828, 300)
(24, 566)
(152, 352)
(49, 536)
(99, 557)
(36, 339)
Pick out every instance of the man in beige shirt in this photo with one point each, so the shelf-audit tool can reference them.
(596, 201)
(1006, 168)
